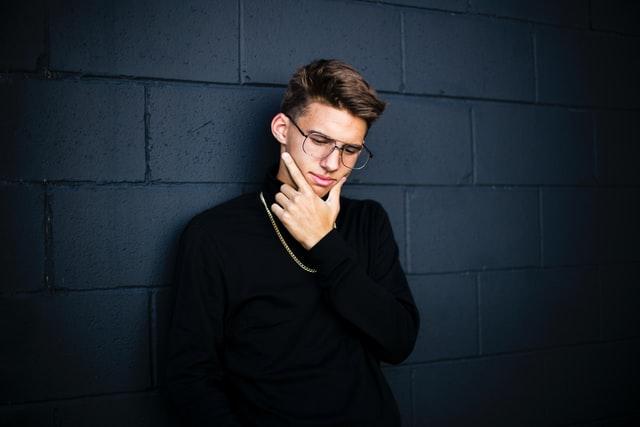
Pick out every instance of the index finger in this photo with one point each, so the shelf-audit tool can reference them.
(295, 173)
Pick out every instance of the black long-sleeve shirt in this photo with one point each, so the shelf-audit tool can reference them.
(256, 340)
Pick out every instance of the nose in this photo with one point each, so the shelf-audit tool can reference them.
(332, 161)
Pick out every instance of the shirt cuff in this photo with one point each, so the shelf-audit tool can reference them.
(329, 253)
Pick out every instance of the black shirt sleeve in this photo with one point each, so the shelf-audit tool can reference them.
(194, 373)
(375, 297)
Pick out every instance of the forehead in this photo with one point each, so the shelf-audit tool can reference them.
(336, 123)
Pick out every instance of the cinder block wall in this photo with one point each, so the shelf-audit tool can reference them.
(507, 160)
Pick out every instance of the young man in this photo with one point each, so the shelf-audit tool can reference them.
(288, 299)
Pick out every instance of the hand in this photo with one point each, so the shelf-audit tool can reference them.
(307, 217)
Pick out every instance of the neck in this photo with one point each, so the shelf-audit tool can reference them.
(284, 176)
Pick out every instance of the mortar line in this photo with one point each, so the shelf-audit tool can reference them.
(474, 148)
(55, 414)
(241, 59)
(541, 227)
(79, 398)
(411, 366)
(152, 339)
(403, 54)
(523, 351)
(470, 12)
(157, 81)
(407, 230)
(412, 394)
(147, 137)
(594, 140)
(48, 239)
(169, 183)
(600, 300)
(534, 48)
(47, 41)
(479, 314)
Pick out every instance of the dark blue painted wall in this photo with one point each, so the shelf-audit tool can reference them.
(508, 161)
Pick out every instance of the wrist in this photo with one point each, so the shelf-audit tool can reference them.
(311, 242)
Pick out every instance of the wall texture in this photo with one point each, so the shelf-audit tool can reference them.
(507, 160)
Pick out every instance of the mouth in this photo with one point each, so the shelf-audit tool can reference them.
(321, 180)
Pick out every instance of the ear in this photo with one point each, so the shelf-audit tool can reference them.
(279, 126)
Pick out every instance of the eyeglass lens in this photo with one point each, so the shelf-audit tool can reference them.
(319, 147)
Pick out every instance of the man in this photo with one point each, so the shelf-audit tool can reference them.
(288, 299)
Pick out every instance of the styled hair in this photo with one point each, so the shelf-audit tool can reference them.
(334, 83)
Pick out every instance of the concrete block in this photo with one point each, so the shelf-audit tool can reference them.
(625, 421)
(72, 130)
(321, 29)
(517, 144)
(621, 16)
(620, 301)
(22, 219)
(451, 5)
(496, 391)
(124, 236)
(468, 56)
(162, 301)
(585, 383)
(618, 147)
(618, 213)
(74, 344)
(392, 199)
(569, 226)
(419, 141)
(461, 228)
(38, 415)
(191, 40)
(23, 34)
(573, 13)
(212, 134)
(587, 68)
(529, 309)
(448, 317)
(400, 380)
(144, 410)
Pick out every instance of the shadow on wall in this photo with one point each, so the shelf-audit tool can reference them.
(238, 143)
(222, 140)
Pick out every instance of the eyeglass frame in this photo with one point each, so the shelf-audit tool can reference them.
(335, 146)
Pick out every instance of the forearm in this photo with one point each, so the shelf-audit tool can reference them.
(195, 379)
(195, 374)
(382, 310)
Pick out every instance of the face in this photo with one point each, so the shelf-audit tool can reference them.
(340, 125)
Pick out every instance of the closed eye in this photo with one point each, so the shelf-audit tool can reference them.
(320, 139)
(351, 149)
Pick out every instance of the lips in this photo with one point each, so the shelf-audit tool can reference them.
(321, 180)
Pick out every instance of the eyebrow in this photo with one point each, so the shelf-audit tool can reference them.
(333, 139)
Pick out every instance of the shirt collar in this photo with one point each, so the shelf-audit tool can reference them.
(271, 185)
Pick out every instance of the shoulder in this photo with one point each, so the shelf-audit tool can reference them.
(366, 215)
(363, 207)
(215, 220)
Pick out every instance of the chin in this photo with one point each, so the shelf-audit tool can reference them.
(321, 192)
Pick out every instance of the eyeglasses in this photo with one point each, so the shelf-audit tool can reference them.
(320, 147)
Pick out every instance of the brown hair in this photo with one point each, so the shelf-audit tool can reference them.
(335, 83)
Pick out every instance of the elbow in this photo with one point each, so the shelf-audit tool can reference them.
(402, 348)
(399, 354)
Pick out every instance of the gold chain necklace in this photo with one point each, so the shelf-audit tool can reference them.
(288, 249)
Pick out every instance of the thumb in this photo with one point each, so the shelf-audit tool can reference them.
(334, 194)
